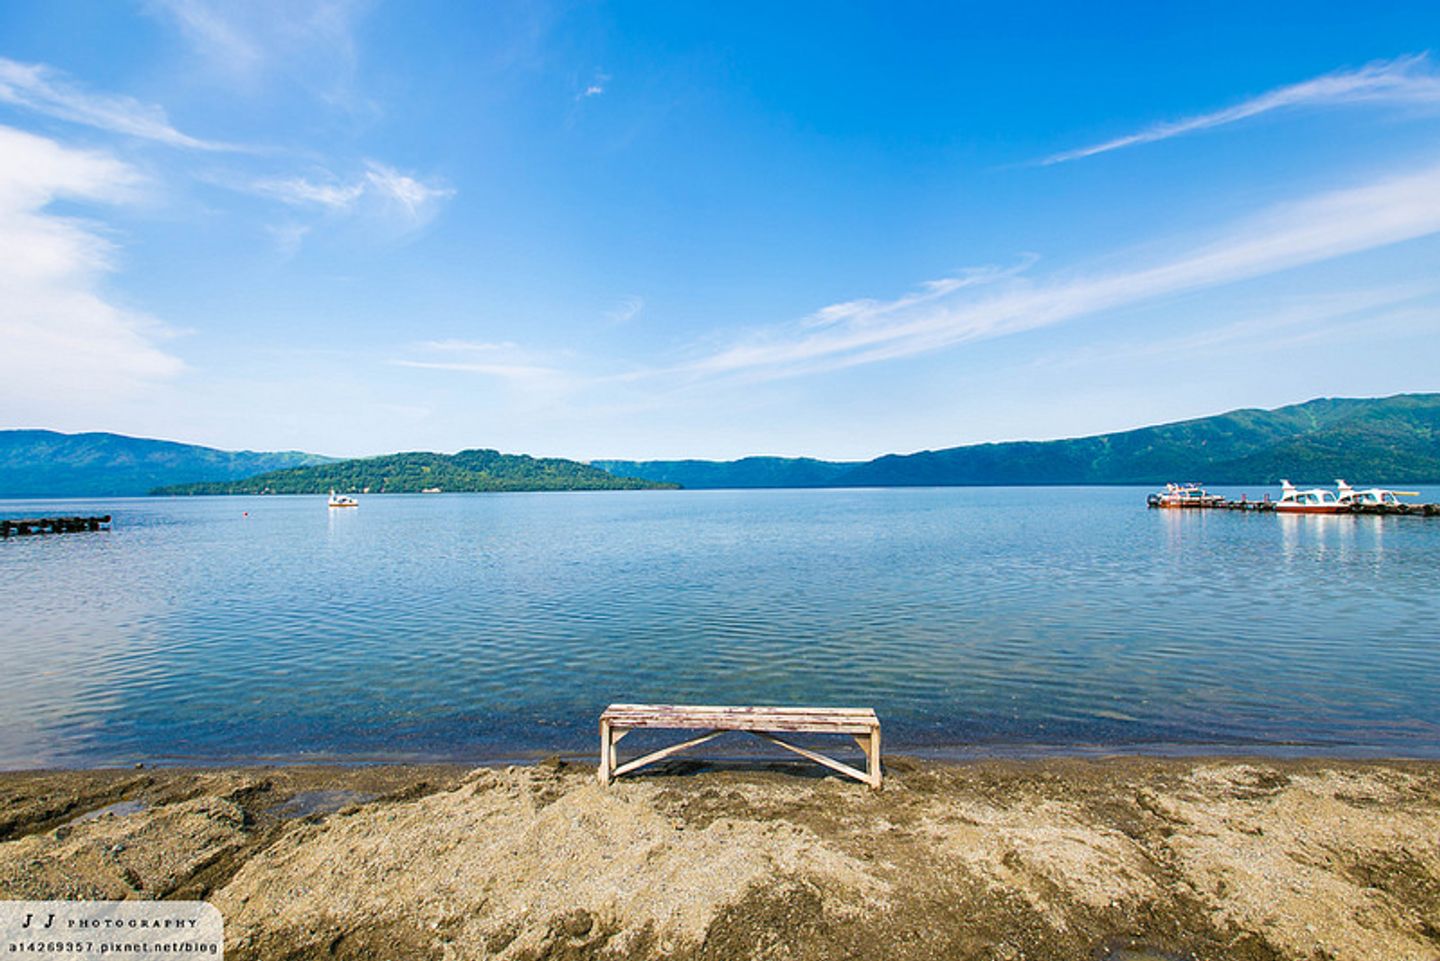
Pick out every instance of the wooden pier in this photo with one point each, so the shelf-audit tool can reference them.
(1385, 510)
(1409, 510)
(53, 525)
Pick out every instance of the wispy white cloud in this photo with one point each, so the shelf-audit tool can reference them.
(625, 311)
(379, 189)
(47, 91)
(868, 311)
(595, 87)
(505, 360)
(208, 27)
(1276, 325)
(468, 346)
(1404, 79)
(246, 42)
(377, 193)
(64, 339)
(300, 192)
(288, 237)
(957, 309)
(528, 373)
(416, 198)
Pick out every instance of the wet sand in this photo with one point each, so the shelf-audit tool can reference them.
(1126, 859)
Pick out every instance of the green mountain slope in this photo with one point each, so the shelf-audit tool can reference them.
(1391, 440)
(469, 470)
(44, 463)
(1387, 440)
(749, 472)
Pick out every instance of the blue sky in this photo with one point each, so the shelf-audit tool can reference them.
(662, 230)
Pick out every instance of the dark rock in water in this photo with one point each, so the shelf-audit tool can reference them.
(318, 803)
(118, 809)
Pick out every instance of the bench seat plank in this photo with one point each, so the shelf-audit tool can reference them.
(762, 724)
(740, 709)
(791, 725)
(795, 720)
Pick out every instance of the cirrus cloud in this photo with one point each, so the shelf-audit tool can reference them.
(1404, 79)
(380, 187)
(45, 90)
(959, 309)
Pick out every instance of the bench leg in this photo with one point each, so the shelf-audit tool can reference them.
(870, 747)
(607, 753)
(609, 756)
(872, 756)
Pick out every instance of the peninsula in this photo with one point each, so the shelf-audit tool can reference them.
(468, 471)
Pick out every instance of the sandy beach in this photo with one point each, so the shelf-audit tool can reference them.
(1059, 859)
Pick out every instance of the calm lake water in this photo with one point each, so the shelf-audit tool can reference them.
(482, 627)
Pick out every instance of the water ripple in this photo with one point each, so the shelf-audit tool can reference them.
(474, 626)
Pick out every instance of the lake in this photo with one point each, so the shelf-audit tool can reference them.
(474, 627)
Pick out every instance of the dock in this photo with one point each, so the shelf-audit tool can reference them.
(1385, 510)
(53, 525)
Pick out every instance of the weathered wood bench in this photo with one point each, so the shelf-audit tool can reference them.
(764, 722)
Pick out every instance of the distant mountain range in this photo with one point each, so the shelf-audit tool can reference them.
(747, 473)
(468, 471)
(1384, 440)
(1391, 440)
(43, 463)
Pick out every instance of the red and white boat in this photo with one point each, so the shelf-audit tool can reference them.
(1184, 495)
(1317, 500)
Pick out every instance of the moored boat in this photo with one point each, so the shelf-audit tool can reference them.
(342, 500)
(1317, 500)
(1371, 496)
(1184, 495)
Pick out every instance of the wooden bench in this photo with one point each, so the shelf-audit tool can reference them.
(764, 722)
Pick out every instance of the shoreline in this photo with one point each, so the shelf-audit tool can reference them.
(1134, 857)
(942, 754)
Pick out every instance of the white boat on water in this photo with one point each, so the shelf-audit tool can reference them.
(1184, 495)
(1317, 500)
(1371, 496)
(342, 500)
